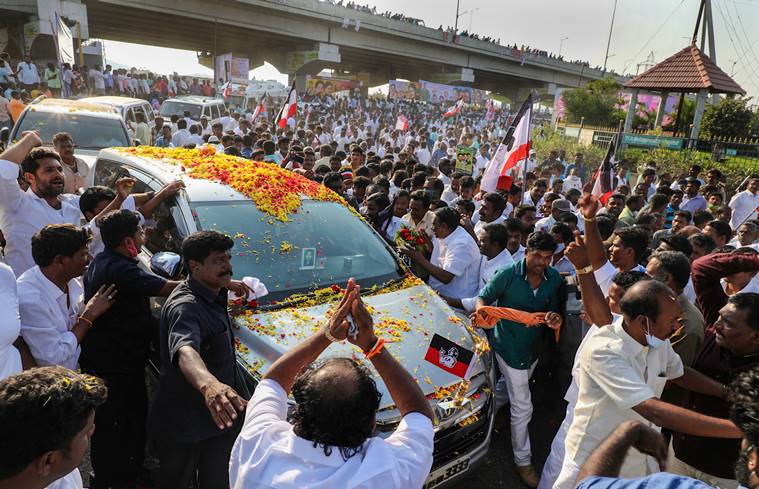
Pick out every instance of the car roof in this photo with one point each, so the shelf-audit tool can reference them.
(115, 101)
(59, 105)
(197, 190)
(196, 99)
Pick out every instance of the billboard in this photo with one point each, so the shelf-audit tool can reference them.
(321, 86)
(228, 67)
(434, 93)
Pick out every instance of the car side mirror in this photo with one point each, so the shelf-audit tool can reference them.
(5, 134)
(136, 142)
(166, 264)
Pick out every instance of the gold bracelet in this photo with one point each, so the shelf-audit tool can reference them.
(592, 219)
(585, 270)
(82, 318)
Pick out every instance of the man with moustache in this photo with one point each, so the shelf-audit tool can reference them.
(22, 214)
(197, 411)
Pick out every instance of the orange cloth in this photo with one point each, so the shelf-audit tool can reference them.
(16, 107)
(490, 315)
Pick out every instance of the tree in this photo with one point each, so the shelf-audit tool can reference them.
(729, 118)
(597, 103)
(686, 119)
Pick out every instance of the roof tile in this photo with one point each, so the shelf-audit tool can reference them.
(688, 70)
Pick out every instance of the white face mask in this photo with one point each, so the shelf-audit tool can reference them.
(652, 340)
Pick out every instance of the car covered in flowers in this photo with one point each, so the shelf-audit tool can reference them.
(303, 242)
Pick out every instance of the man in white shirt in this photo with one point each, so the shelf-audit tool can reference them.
(182, 136)
(744, 204)
(622, 373)
(27, 73)
(495, 256)
(98, 77)
(423, 155)
(62, 402)
(693, 201)
(454, 266)
(22, 214)
(558, 207)
(54, 318)
(329, 443)
(516, 232)
(535, 196)
(419, 216)
(75, 170)
(600, 311)
(491, 211)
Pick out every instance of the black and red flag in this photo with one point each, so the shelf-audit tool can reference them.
(603, 186)
(451, 357)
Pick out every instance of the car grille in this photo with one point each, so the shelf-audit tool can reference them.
(455, 441)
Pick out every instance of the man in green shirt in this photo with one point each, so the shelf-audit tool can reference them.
(529, 285)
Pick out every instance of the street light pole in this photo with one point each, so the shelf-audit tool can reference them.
(561, 44)
(611, 28)
(456, 24)
(470, 18)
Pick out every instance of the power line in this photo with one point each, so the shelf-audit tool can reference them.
(748, 63)
(634, 58)
(745, 35)
(739, 52)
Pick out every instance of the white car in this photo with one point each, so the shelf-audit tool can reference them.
(92, 126)
(128, 108)
(198, 106)
(302, 261)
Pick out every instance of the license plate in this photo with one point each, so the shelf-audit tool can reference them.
(438, 476)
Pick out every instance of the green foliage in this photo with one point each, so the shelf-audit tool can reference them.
(730, 118)
(678, 162)
(555, 141)
(689, 110)
(596, 103)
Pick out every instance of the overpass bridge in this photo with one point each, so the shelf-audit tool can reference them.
(301, 37)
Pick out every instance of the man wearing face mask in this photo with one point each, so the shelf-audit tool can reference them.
(601, 470)
(622, 372)
(118, 347)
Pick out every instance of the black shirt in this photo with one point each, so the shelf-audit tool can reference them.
(192, 316)
(715, 456)
(119, 340)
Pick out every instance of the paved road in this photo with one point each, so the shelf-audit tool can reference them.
(498, 470)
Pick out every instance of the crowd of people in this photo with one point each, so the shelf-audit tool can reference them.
(666, 266)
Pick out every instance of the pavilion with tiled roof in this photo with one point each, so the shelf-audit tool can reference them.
(687, 71)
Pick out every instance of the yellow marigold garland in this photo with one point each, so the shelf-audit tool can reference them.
(274, 190)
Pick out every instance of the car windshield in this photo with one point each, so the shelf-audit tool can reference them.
(88, 132)
(322, 245)
(174, 107)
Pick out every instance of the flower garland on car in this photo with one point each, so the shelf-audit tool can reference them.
(274, 190)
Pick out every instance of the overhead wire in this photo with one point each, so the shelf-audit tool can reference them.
(667, 19)
(730, 29)
(745, 35)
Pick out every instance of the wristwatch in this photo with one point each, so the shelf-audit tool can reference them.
(585, 270)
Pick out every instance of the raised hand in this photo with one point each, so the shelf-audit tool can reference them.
(366, 337)
(337, 326)
(577, 253)
(124, 186)
(589, 206)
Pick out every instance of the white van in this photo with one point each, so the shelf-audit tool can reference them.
(198, 106)
(128, 108)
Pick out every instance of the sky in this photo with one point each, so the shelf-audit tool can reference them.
(641, 27)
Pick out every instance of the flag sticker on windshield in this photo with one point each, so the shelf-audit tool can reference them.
(450, 356)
